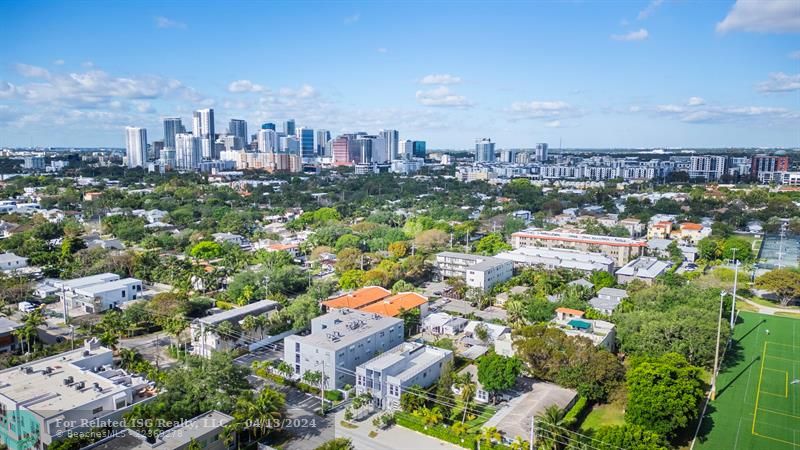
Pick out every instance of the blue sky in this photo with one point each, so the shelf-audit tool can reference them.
(648, 73)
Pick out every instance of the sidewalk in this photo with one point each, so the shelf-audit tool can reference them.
(769, 310)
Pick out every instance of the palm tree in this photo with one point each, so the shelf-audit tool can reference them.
(430, 416)
(458, 429)
(516, 311)
(468, 390)
(128, 357)
(551, 421)
(262, 322)
(285, 369)
(226, 331)
(249, 324)
(519, 444)
(264, 410)
(489, 435)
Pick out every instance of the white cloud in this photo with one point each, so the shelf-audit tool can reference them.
(638, 35)
(442, 96)
(763, 16)
(349, 20)
(553, 124)
(304, 91)
(163, 22)
(780, 82)
(244, 86)
(795, 54)
(383, 50)
(26, 70)
(719, 113)
(543, 110)
(696, 101)
(650, 9)
(92, 89)
(7, 89)
(58, 62)
(440, 78)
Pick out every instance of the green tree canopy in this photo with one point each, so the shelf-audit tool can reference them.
(663, 393)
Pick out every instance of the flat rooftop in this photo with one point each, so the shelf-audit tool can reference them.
(86, 281)
(344, 327)
(570, 236)
(240, 313)
(171, 439)
(99, 288)
(406, 360)
(8, 325)
(47, 395)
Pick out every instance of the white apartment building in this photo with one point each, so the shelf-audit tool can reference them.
(388, 375)
(621, 250)
(339, 341)
(645, 269)
(136, 146)
(10, 262)
(97, 293)
(478, 271)
(206, 339)
(75, 390)
(572, 323)
(555, 258)
(707, 167)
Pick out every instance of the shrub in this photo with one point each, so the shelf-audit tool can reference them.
(438, 431)
(577, 412)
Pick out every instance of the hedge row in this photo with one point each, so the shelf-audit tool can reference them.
(438, 431)
(578, 411)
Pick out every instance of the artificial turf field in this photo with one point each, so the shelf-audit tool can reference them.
(758, 400)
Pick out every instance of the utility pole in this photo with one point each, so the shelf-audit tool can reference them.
(716, 350)
(735, 281)
(72, 335)
(158, 351)
(64, 302)
(322, 390)
(533, 432)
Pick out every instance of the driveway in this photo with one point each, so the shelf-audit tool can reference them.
(309, 430)
(393, 438)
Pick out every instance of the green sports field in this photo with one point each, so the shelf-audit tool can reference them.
(758, 401)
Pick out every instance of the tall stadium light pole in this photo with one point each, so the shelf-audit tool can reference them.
(735, 281)
(716, 349)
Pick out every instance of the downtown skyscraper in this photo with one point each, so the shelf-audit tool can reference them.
(484, 150)
(172, 126)
(238, 128)
(391, 139)
(203, 128)
(136, 146)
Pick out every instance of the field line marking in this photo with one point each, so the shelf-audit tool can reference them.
(776, 439)
(784, 345)
(758, 392)
(772, 394)
(781, 358)
(779, 413)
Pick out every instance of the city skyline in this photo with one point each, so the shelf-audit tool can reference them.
(591, 75)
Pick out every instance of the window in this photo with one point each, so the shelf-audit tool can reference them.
(123, 294)
(297, 346)
(97, 410)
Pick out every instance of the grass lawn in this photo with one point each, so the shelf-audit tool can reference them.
(744, 306)
(485, 412)
(757, 405)
(603, 415)
(765, 302)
